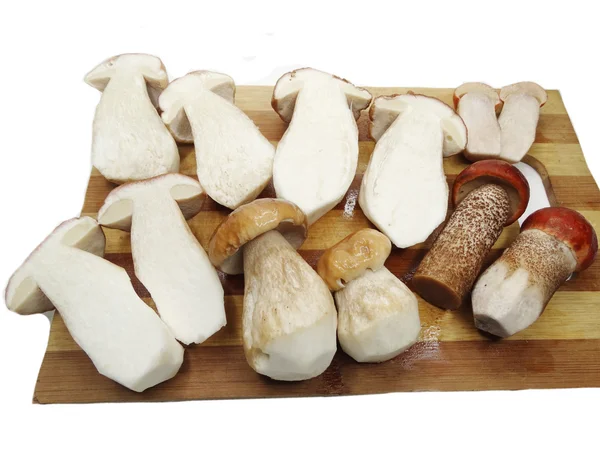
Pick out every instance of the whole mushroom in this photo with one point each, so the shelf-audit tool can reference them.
(488, 195)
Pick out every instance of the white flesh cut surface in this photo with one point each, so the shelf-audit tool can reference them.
(478, 112)
(518, 122)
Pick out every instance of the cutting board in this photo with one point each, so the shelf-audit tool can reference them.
(561, 350)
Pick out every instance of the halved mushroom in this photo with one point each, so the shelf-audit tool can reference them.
(317, 156)
(514, 291)
(130, 141)
(378, 316)
(404, 190)
(488, 196)
(168, 259)
(123, 337)
(289, 318)
(234, 160)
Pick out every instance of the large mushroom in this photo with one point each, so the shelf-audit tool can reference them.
(404, 190)
(514, 291)
(130, 141)
(317, 156)
(168, 259)
(289, 318)
(378, 316)
(488, 195)
(124, 338)
(234, 160)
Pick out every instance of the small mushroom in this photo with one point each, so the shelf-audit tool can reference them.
(488, 195)
(404, 190)
(477, 104)
(124, 338)
(168, 259)
(234, 160)
(378, 316)
(289, 319)
(514, 291)
(317, 156)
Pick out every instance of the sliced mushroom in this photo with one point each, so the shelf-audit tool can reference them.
(130, 141)
(404, 190)
(234, 160)
(168, 259)
(123, 337)
(289, 318)
(378, 316)
(317, 156)
(514, 291)
(488, 196)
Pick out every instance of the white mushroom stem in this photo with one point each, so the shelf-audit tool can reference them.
(518, 122)
(289, 318)
(478, 111)
(378, 316)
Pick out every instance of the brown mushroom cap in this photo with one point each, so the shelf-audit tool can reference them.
(567, 226)
(481, 88)
(525, 87)
(250, 221)
(352, 256)
(496, 172)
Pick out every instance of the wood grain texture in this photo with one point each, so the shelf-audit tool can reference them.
(561, 350)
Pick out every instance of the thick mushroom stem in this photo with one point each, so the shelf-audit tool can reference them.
(467, 238)
(289, 319)
(518, 122)
(513, 292)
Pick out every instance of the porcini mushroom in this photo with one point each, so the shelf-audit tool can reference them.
(477, 104)
(317, 156)
(123, 337)
(519, 118)
(289, 318)
(488, 195)
(378, 316)
(130, 141)
(513, 292)
(168, 259)
(234, 160)
(404, 190)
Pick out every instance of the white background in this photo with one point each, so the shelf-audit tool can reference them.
(45, 122)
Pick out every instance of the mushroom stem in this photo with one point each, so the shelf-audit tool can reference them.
(518, 122)
(479, 114)
(465, 241)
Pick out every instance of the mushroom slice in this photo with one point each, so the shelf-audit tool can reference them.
(168, 259)
(289, 318)
(317, 156)
(123, 337)
(129, 140)
(378, 316)
(404, 190)
(234, 160)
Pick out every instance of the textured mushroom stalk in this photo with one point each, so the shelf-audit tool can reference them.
(289, 319)
(449, 269)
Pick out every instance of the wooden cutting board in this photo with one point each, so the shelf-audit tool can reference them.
(561, 350)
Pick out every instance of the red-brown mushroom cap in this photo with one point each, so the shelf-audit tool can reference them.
(496, 172)
(567, 226)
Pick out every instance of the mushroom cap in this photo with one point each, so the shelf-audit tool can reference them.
(117, 210)
(527, 88)
(386, 109)
(183, 90)
(250, 221)
(567, 226)
(151, 67)
(287, 88)
(480, 88)
(352, 256)
(496, 172)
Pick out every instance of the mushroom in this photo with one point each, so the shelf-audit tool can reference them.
(168, 259)
(477, 104)
(234, 160)
(130, 141)
(289, 319)
(317, 156)
(404, 190)
(378, 316)
(514, 291)
(488, 195)
(519, 118)
(123, 337)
